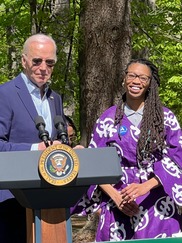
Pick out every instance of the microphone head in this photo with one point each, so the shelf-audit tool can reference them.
(39, 121)
(58, 120)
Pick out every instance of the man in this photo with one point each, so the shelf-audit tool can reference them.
(21, 101)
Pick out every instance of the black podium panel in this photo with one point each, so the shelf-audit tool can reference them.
(46, 198)
(97, 166)
(19, 173)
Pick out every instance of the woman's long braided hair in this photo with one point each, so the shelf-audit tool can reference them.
(151, 138)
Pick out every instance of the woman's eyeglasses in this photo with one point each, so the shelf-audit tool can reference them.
(143, 78)
(38, 61)
(72, 138)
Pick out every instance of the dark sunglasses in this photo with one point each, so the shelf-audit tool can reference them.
(38, 61)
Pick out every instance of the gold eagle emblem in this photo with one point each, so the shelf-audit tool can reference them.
(58, 162)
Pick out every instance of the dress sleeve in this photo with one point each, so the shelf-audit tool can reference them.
(103, 129)
(169, 169)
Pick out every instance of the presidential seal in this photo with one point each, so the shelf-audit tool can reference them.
(58, 164)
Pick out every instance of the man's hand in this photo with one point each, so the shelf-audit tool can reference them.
(78, 147)
(42, 146)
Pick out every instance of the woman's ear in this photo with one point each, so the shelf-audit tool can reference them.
(123, 83)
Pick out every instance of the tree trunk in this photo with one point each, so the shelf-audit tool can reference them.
(105, 50)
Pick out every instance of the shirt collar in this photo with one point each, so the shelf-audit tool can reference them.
(128, 111)
(32, 88)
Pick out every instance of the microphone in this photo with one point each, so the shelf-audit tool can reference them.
(43, 134)
(61, 131)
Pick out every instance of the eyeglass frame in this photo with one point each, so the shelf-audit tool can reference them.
(72, 138)
(37, 61)
(148, 78)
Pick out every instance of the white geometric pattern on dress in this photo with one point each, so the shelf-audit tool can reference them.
(164, 208)
(106, 128)
(171, 120)
(177, 194)
(171, 167)
(117, 231)
(140, 220)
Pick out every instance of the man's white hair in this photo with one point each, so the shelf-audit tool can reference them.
(42, 38)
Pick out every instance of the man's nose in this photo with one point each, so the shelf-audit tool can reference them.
(43, 65)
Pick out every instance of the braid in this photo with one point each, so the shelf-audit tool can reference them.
(151, 137)
(152, 128)
(120, 110)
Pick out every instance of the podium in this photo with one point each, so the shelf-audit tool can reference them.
(47, 206)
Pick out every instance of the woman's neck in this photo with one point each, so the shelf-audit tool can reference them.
(135, 104)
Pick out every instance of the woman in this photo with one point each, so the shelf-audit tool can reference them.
(146, 202)
(72, 131)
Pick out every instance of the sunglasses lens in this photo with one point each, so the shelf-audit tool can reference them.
(50, 62)
(38, 61)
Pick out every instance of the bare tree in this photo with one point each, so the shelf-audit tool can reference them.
(105, 50)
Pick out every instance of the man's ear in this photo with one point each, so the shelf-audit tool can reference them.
(23, 61)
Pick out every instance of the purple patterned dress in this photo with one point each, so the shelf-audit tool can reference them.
(159, 214)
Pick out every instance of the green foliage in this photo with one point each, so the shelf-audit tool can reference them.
(13, 31)
(157, 32)
(16, 25)
(173, 95)
(156, 35)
